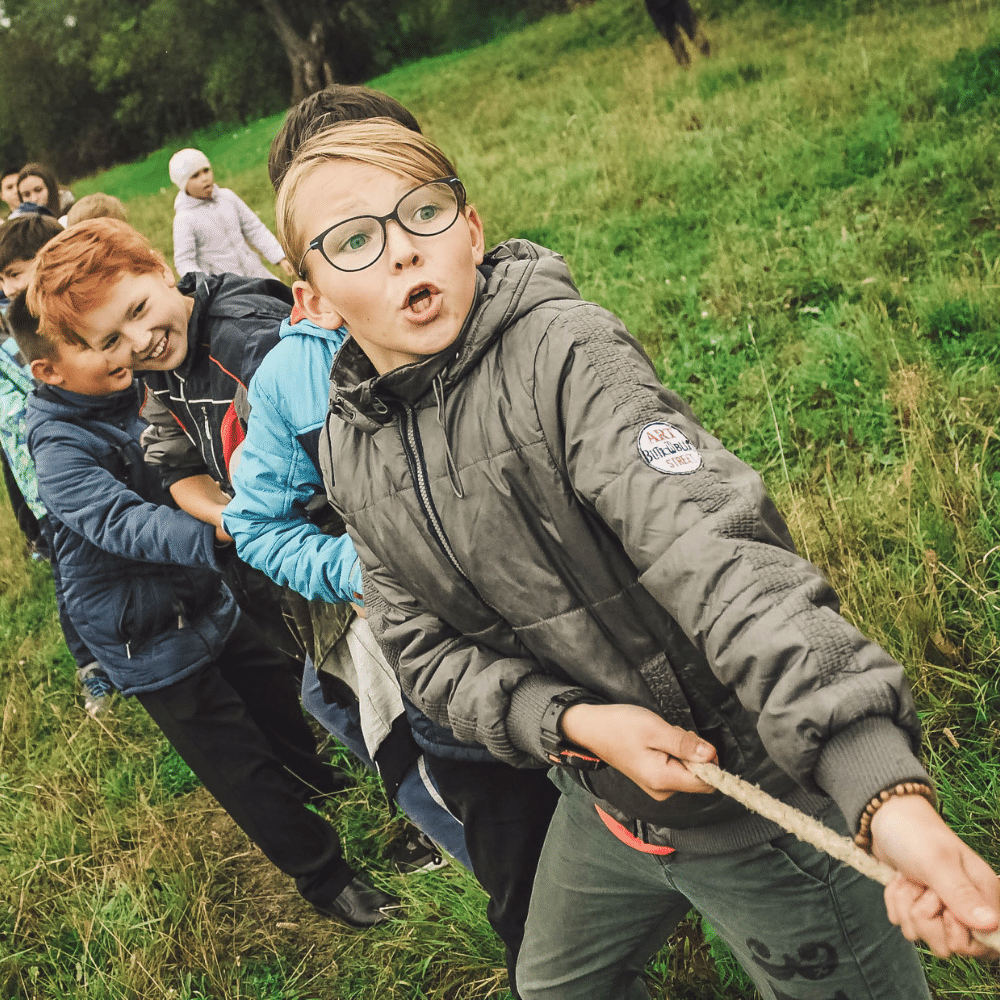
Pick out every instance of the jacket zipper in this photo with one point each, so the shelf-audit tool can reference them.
(219, 471)
(208, 442)
(411, 443)
(414, 451)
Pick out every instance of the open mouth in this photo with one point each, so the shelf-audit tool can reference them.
(419, 300)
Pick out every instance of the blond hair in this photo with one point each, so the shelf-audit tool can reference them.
(377, 142)
(97, 206)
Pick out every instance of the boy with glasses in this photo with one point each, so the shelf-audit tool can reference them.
(281, 524)
(573, 571)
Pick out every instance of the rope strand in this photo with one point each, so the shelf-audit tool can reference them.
(807, 829)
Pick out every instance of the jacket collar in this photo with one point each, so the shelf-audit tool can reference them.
(202, 288)
(297, 326)
(115, 406)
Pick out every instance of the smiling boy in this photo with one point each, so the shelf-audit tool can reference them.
(196, 343)
(558, 593)
(142, 585)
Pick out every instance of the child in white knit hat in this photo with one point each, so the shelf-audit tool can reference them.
(214, 230)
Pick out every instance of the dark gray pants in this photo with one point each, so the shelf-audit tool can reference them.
(803, 926)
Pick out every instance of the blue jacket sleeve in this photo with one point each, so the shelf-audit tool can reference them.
(88, 499)
(273, 481)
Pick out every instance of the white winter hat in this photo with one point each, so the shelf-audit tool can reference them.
(184, 163)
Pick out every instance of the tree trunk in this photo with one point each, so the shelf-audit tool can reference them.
(311, 71)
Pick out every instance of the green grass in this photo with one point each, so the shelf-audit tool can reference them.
(804, 232)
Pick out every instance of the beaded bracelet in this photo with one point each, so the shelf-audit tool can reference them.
(863, 838)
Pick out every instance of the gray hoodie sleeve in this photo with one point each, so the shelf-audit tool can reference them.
(454, 681)
(834, 710)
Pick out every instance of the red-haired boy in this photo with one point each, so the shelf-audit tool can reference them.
(107, 303)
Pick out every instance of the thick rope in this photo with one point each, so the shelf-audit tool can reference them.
(807, 829)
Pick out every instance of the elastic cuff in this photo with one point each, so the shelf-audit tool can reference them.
(862, 760)
(528, 703)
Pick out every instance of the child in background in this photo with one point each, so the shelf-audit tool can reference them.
(279, 516)
(8, 187)
(214, 230)
(143, 586)
(505, 813)
(339, 102)
(573, 571)
(37, 185)
(96, 206)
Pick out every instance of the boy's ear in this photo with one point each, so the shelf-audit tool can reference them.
(477, 233)
(317, 307)
(45, 370)
(168, 275)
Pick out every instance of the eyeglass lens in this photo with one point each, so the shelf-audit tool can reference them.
(425, 211)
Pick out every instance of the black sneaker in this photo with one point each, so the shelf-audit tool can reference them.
(359, 905)
(417, 853)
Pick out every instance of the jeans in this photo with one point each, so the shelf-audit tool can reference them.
(417, 796)
(803, 926)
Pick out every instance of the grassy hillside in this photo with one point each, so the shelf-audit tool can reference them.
(804, 232)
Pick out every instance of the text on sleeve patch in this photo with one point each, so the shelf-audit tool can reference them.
(664, 448)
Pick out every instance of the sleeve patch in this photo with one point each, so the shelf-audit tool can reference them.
(664, 448)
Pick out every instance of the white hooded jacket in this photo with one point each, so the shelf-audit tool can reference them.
(215, 235)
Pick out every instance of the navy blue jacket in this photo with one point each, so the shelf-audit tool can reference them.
(140, 578)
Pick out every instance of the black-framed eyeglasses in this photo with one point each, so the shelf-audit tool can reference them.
(427, 210)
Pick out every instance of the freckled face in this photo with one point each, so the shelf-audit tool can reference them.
(145, 318)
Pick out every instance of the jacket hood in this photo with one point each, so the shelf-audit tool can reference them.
(514, 278)
(183, 201)
(49, 402)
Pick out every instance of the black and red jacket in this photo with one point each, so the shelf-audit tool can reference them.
(234, 323)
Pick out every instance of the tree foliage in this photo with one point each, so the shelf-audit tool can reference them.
(85, 83)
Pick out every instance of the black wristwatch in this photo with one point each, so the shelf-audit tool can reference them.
(560, 750)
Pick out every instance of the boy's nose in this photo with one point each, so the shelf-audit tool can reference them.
(401, 247)
(138, 339)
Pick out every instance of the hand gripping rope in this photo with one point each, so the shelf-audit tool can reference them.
(807, 829)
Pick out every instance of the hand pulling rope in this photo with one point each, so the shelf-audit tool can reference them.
(807, 829)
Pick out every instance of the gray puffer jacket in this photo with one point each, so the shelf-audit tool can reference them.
(540, 515)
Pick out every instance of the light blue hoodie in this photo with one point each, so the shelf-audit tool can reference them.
(278, 472)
